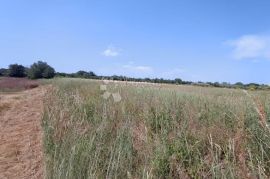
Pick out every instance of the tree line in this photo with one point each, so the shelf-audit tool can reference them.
(177, 81)
(43, 70)
(35, 71)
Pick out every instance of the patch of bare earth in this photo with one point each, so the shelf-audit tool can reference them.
(21, 153)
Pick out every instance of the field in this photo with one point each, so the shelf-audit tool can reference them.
(21, 153)
(104, 129)
(8, 84)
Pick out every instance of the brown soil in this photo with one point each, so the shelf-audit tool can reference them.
(21, 153)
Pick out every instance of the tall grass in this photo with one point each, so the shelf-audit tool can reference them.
(155, 131)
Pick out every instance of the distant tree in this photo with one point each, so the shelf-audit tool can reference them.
(84, 74)
(3, 72)
(239, 85)
(81, 73)
(16, 70)
(92, 73)
(41, 70)
(264, 87)
(61, 74)
(49, 72)
(226, 84)
(252, 86)
(216, 84)
(147, 80)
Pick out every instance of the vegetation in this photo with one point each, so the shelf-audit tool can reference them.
(177, 81)
(37, 70)
(79, 74)
(155, 131)
(3, 72)
(16, 70)
(41, 70)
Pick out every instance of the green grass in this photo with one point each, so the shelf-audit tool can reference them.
(155, 131)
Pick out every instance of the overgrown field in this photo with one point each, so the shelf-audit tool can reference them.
(155, 131)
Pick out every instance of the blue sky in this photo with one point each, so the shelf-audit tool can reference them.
(210, 40)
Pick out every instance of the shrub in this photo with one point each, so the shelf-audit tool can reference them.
(16, 70)
(3, 72)
(41, 70)
(84, 74)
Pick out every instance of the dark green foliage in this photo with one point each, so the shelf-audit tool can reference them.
(41, 70)
(3, 72)
(79, 74)
(16, 70)
(84, 74)
(178, 81)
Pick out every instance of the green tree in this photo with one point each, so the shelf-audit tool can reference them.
(178, 81)
(84, 74)
(41, 70)
(16, 70)
(3, 72)
(239, 85)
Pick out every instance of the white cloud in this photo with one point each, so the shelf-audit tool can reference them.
(111, 51)
(138, 68)
(251, 47)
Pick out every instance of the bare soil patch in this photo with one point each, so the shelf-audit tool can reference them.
(21, 154)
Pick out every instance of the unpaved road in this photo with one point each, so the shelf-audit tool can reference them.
(21, 153)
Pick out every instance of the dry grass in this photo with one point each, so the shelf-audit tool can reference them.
(155, 131)
(17, 84)
(21, 154)
(4, 107)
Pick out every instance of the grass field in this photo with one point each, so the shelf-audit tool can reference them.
(154, 131)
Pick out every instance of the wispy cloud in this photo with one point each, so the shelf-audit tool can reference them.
(250, 47)
(135, 68)
(111, 51)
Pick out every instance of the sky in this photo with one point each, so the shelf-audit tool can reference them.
(209, 40)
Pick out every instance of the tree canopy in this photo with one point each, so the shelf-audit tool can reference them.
(16, 70)
(41, 70)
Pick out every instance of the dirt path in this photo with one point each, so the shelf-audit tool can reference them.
(21, 134)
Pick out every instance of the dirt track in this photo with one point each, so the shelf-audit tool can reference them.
(21, 134)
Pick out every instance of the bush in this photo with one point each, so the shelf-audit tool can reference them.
(41, 70)
(84, 74)
(3, 72)
(16, 70)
